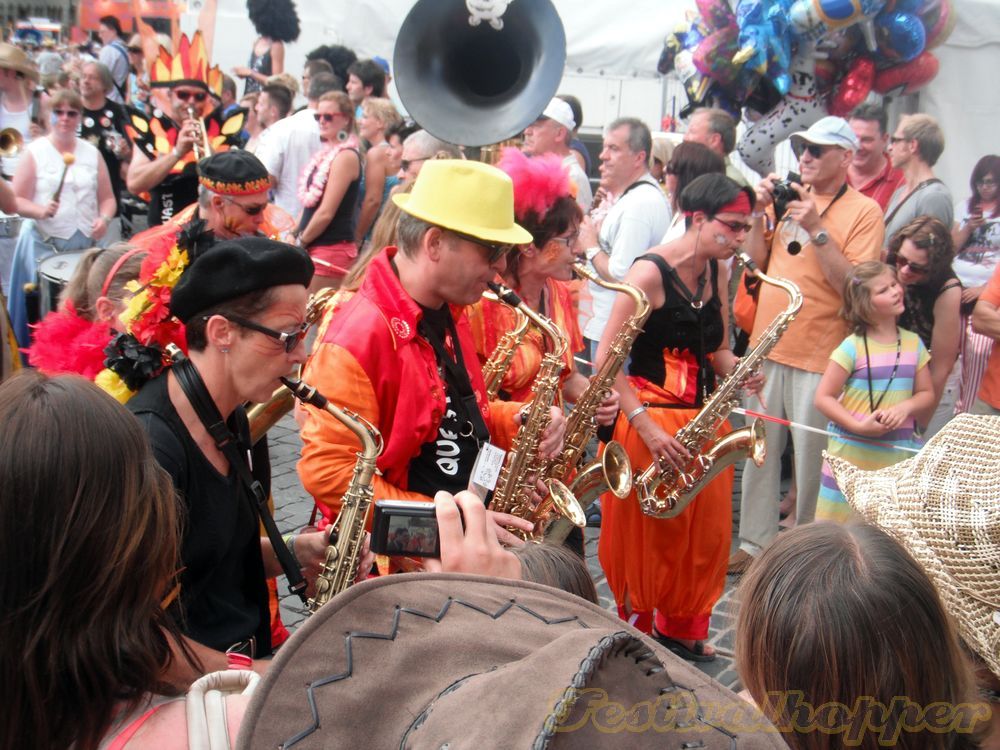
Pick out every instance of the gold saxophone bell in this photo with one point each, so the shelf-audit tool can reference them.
(11, 142)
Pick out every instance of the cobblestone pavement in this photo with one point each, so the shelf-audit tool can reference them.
(293, 506)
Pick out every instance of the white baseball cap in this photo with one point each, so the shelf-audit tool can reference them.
(561, 112)
(830, 131)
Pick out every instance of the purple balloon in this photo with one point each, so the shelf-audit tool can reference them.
(901, 36)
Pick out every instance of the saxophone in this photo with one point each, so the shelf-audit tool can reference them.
(496, 366)
(612, 470)
(665, 492)
(264, 416)
(517, 477)
(341, 562)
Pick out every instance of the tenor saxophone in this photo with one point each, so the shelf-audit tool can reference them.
(496, 366)
(341, 561)
(612, 470)
(665, 492)
(517, 477)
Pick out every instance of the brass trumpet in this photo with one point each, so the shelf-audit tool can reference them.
(202, 147)
(11, 142)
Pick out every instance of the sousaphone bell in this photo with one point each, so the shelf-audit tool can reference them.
(476, 85)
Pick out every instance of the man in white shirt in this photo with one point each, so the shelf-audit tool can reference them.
(290, 143)
(551, 133)
(638, 219)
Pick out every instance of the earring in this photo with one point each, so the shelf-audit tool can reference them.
(342, 135)
(224, 350)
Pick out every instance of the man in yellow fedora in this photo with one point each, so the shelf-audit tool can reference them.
(400, 352)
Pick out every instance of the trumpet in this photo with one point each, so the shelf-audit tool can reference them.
(11, 142)
(202, 147)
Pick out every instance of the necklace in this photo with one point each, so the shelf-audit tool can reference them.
(892, 376)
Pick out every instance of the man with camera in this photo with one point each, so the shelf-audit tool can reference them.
(400, 352)
(811, 234)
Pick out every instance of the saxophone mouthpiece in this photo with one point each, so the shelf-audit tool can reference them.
(747, 261)
(507, 294)
(305, 392)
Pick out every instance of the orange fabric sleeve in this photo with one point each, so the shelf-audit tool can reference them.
(329, 450)
(502, 427)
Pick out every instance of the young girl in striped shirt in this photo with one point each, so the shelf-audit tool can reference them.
(874, 383)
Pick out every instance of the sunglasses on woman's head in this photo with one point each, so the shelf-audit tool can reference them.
(183, 95)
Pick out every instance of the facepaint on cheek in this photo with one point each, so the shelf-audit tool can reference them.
(229, 225)
(720, 239)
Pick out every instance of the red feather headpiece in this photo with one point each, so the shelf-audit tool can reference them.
(539, 181)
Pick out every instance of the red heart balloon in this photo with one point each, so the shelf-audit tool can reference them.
(853, 87)
(908, 77)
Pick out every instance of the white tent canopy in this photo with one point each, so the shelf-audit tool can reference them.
(612, 54)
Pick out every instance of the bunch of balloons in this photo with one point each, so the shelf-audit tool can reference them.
(793, 61)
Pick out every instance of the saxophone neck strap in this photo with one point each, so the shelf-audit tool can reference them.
(201, 401)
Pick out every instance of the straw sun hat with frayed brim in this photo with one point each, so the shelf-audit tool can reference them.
(943, 505)
(426, 661)
(14, 58)
(468, 197)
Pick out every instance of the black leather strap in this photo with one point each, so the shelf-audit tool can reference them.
(194, 388)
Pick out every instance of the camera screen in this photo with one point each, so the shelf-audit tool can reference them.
(412, 535)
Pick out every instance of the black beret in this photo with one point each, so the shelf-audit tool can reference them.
(232, 268)
(234, 172)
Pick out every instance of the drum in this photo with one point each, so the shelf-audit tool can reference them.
(10, 226)
(54, 273)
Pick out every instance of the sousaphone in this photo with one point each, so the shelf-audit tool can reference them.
(474, 85)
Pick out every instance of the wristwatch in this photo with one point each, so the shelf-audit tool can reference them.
(820, 238)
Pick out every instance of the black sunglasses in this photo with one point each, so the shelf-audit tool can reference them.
(248, 210)
(290, 339)
(902, 262)
(813, 149)
(404, 164)
(734, 226)
(495, 251)
(135, 50)
(198, 96)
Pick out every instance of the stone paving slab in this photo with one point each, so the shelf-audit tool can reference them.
(293, 506)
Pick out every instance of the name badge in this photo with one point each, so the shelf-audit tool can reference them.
(486, 470)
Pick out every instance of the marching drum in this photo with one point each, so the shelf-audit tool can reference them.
(54, 273)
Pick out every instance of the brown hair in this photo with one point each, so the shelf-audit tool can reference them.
(688, 161)
(383, 235)
(68, 97)
(842, 614)
(89, 543)
(857, 304)
(91, 275)
(558, 566)
(340, 100)
(929, 234)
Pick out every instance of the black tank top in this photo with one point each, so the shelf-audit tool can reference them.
(677, 325)
(341, 227)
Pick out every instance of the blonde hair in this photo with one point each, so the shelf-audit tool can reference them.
(383, 110)
(857, 309)
(285, 79)
(925, 130)
(91, 276)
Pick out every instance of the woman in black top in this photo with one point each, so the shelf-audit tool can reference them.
(328, 189)
(922, 251)
(667, 573)
(243, 303)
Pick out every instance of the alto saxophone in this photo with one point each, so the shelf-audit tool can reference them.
(341, 561)
(265, 415)
(517, 477)
(665, 492)
(612, 470)
(496, 366)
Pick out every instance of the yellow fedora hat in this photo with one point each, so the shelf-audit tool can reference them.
(468, 197)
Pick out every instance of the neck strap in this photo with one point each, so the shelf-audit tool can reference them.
(189, 379)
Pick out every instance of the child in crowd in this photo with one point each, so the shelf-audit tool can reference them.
(874, 384)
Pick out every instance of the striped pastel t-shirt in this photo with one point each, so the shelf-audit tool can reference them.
(913, 356)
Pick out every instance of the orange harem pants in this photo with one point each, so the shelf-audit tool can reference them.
(673, 567)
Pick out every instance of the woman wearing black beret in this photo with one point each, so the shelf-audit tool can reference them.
(243, 304)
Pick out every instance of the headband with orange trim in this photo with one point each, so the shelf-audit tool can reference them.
(234, 172)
